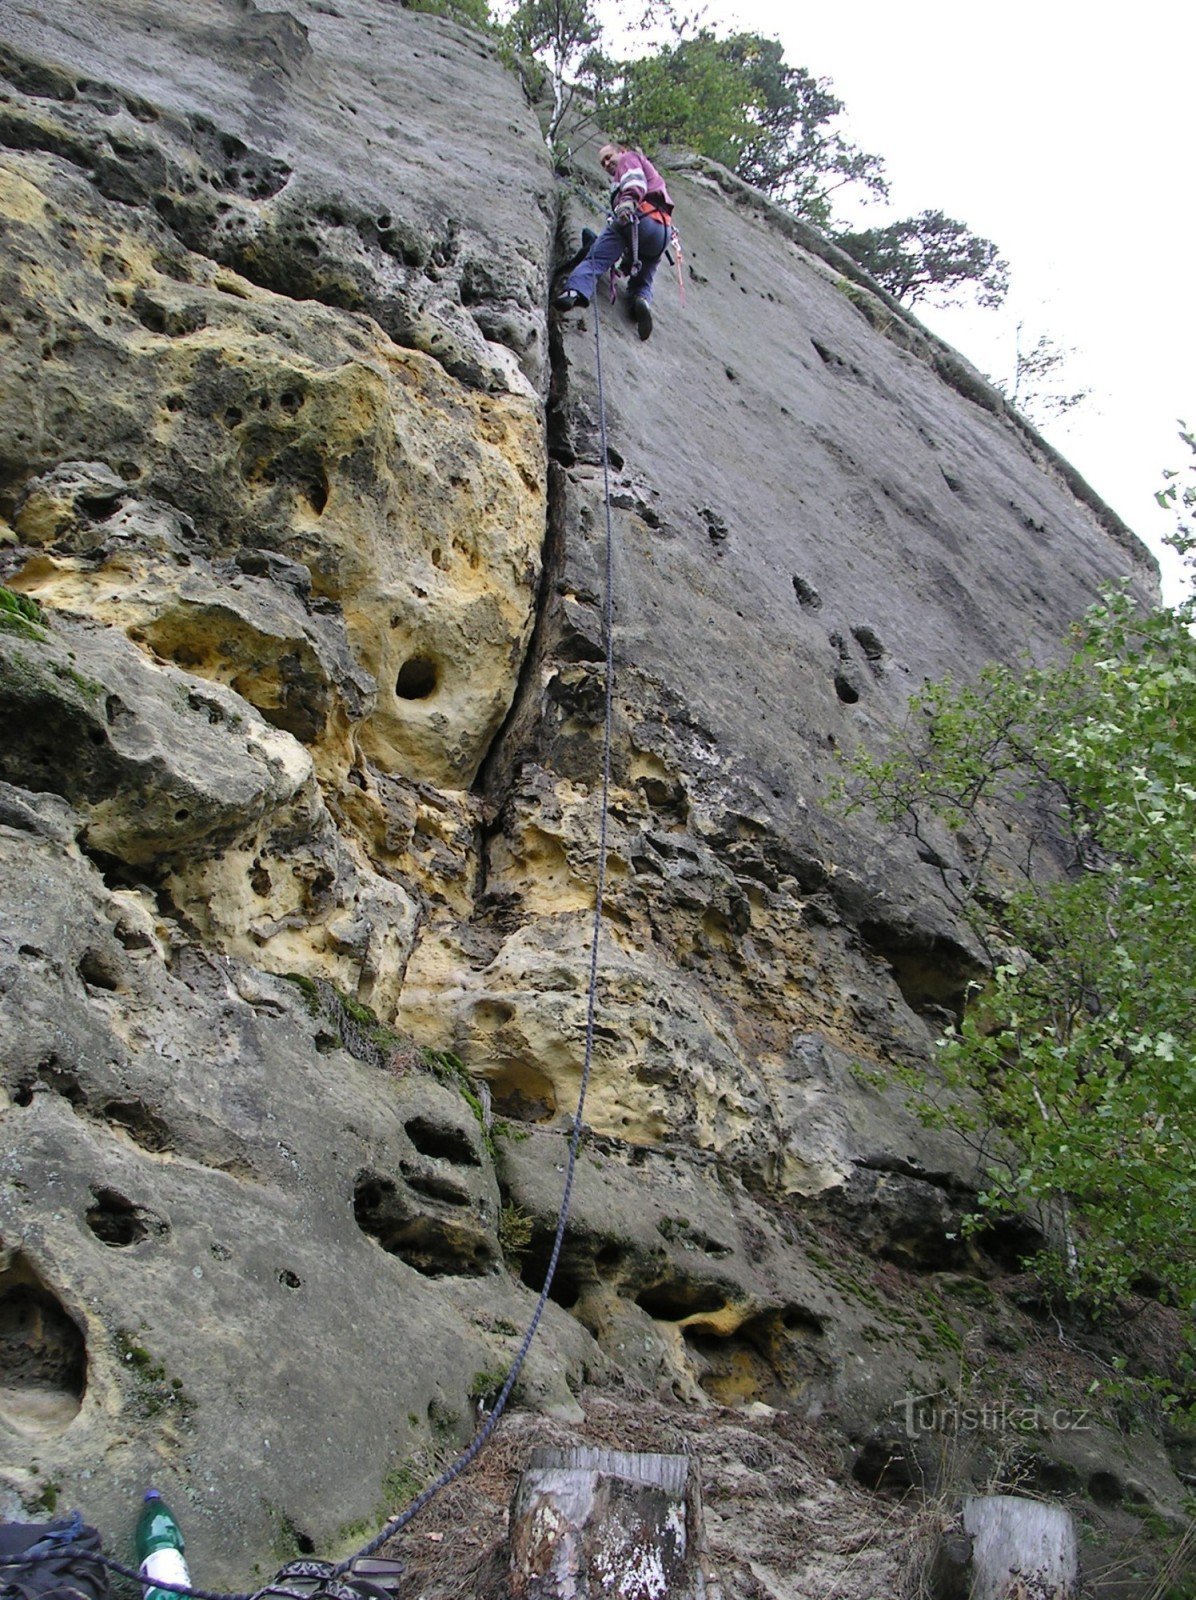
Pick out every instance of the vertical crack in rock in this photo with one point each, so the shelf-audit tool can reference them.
(497, 768)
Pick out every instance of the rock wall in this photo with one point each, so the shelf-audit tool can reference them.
(300, 767)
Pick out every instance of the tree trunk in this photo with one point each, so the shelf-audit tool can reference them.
(1021, 1549)
(587, 1524)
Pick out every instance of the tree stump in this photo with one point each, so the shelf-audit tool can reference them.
(1021, 1549)
(588, 1523)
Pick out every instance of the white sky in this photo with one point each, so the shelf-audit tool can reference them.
(1063, 132)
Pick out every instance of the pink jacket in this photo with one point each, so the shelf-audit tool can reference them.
(637, 179)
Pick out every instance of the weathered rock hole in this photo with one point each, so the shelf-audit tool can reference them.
(522, 1092)
(98, 970)
(433, 1246)
(56, 1078)
(1010, 1241)
(1106, 1488)
(119, 1223)
(771, 1357)
(679, 1298)
(417, 679)
(869, 642)
(142, 1125)
(43, 1355)
(846, 690)
(609, 1259)
(314, 486)
(807, 595)
(289, 1279)
(442, 1141)
(447, 1190)
(566, 1285)
(884, 1464)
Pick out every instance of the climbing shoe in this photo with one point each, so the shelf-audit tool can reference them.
(641, 313)
(571, 301)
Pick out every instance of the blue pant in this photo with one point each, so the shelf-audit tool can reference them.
(608, 250)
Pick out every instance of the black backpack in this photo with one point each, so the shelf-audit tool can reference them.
(64, 1565)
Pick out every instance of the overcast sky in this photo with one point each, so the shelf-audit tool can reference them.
(1069, 141)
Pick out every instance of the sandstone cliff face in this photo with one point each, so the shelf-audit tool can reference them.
(311, 496)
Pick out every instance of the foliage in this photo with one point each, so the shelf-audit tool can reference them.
(560, 33)
(737, 101)
(19, 614)
(1036, 390)
(515, 1228)
(475, 11)
(1080, 1051)
(1179, 494)
(930, 256)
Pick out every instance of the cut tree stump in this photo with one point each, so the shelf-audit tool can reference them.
(1021, 1549)
(607, 1523)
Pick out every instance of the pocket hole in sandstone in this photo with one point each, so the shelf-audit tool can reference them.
(883, 1464)
(846, 691)
(566, 1287)
(681, 1298)
(119, 1223)
(142, 1125)
(417, 679)
(98, 971)
(289, 1279)
(609, 1259)
(431, 1184)
(43, 1356)
(522, 1092)
(807, 595)
(433, 1246)
(442, 1141)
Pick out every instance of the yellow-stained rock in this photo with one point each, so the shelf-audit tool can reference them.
(415, 504)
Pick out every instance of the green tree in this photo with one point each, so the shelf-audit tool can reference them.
(475, 11)
(930, 257)
(561, 34)
(737, 101)
(1080, 1050)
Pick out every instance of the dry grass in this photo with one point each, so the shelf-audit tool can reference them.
(783, 1520)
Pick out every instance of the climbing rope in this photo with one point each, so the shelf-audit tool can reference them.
(482, 1437)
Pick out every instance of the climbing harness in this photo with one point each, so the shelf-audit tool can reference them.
(359, 1577)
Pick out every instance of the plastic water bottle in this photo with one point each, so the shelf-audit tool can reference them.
(159, 1543)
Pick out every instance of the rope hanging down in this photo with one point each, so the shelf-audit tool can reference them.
(482, 1437)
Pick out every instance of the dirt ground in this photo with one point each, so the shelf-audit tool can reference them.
(783, 1519)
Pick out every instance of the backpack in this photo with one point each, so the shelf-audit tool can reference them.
(64, 1564)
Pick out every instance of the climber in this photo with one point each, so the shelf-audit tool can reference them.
(639, 227)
